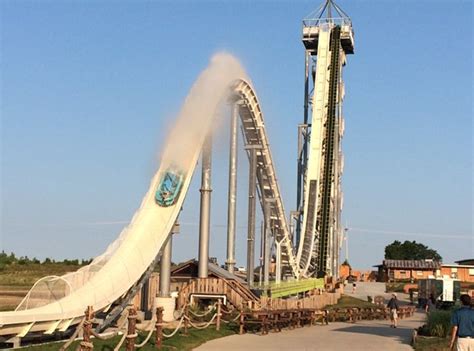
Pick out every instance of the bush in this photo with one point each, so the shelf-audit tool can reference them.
(439, 323)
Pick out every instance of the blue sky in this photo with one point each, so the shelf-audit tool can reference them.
(90, 88)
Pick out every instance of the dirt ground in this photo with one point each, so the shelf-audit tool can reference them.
(11, 296)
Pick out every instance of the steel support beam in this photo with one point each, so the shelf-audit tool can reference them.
(278, 262)
(205, 209)
(260, 268)
(232, 195)
(267, 243)
(302, 148)
(252, 149)
(165, 267)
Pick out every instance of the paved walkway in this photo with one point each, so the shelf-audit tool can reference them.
(364, 289)
(363, 336)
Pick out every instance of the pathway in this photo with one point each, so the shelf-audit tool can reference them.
(364, 336)
(364, 289)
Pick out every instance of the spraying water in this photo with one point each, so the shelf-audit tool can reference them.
(195, 118)
(130, 251)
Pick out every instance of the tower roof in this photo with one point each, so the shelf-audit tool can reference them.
(328, 10)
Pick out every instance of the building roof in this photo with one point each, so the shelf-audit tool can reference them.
(411, 264)
(191, 267)
(466, 261)
(455, 265)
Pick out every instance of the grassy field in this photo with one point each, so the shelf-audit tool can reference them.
(177, 342)
(17, 279)
(432, 344)
(28, 274)
(395, 287)
(348, 301)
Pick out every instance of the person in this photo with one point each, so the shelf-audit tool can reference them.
(462, 321)
(431, 304)
(354, 285)
(393, 307)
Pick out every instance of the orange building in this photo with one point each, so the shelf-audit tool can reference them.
(344, 271)
(407, 270)
(463, 272)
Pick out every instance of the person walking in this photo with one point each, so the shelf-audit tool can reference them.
(393, 307)
(431, 304)
(462, 321)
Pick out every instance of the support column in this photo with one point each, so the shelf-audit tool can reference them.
(232, 196)
(260, 268)
(165, 267)
(267, 246)
(205, 210)
(278, 262)
(251, 212)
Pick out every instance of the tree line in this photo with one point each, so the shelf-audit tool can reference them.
(11, 259)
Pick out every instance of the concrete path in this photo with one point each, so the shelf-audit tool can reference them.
(363, 336)
(364, 289)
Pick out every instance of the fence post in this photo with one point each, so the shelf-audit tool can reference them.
(159, 327)
(86, 344)
(218, 320)
(241, 321)
(186, 321)
(131, 332)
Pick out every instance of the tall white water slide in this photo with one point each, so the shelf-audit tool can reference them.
(115, 272)
(56, 303)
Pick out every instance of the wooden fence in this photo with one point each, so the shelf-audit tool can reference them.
(315, 300)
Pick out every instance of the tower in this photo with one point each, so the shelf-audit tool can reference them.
(327, 37)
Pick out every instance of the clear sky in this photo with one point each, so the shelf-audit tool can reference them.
(89, 89)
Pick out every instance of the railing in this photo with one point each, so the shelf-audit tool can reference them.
(316, 22)
(294, 287)
(317, 301)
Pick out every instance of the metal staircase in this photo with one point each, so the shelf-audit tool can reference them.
(325, 218)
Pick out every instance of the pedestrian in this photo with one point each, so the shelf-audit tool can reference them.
(463, 326)
(393, 307)
(354, 285)
(431, 304)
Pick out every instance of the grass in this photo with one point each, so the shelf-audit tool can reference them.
(439, 323)
(347, 301)
(177, 342)
(431, 344)
(395, 287)
(25, 275)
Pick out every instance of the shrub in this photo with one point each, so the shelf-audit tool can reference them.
(439, 323)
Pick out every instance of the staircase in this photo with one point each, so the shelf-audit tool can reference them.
(237, 294)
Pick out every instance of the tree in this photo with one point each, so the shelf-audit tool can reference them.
(410, 250)
(346, 263)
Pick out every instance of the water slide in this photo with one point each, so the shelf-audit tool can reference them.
(56, 303)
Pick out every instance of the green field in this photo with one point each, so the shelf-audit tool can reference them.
(348, 301)
(27, 274)
(17, 276)
(432, 344)
(177, 342)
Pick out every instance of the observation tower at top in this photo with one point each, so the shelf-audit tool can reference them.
(323, 18)
(327, 37)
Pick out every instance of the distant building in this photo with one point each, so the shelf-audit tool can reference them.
(468, 261)
(463, 272)
(344, 271)
(412, 270)
(407, 270)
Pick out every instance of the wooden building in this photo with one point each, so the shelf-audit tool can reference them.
(407, 270)
(184, 272)
(463, 272)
